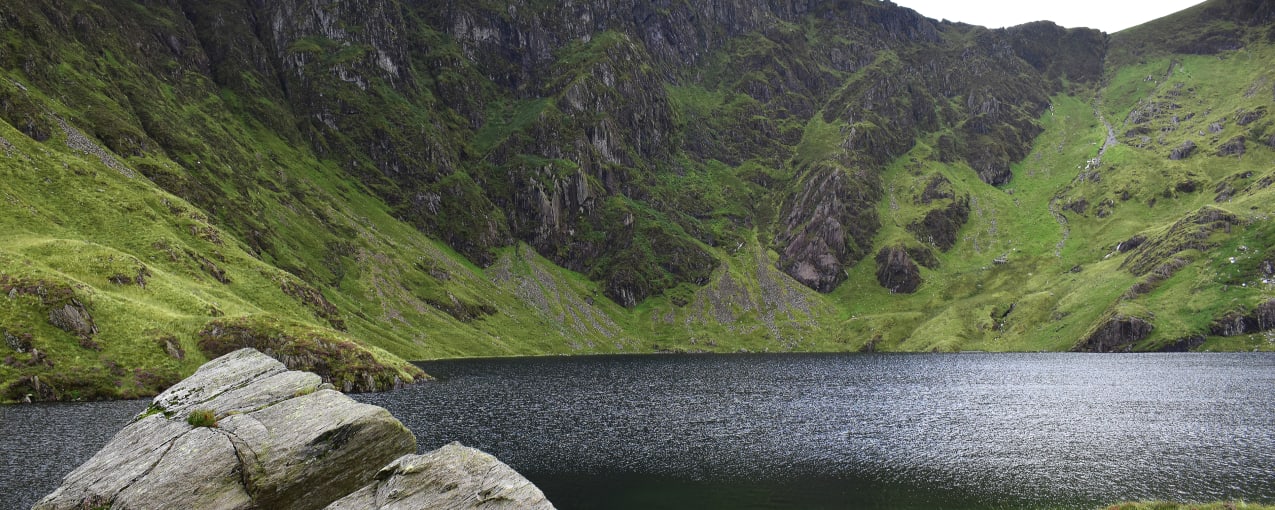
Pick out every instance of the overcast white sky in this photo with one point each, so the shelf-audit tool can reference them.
(1107, 15)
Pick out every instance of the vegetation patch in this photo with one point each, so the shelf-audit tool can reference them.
(1192, 233)
(202, 418)
(338, 360)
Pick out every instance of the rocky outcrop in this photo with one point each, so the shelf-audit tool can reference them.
(1184, 344)
(1131, 243)
(1060, 53)
(1192, 232)
(1116, 334)
(937, 188)
(940, 226)
(1261, 318)
(829, 225)
(1232, 147)
(453, 477)
(1246, 117)
(341, 362)
(279, 439)
(896, 270)
(1182, 152)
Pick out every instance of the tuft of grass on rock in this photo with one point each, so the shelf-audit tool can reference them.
(202, 418)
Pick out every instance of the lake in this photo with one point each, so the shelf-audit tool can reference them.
(807, 430)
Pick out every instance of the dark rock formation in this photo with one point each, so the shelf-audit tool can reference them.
(937, 188)
(1261, 318)
(1224, 192)
(1189, 233)
(940, 226)
(1116, 333)
(1131, 243)
(896, 271)
(829, 225)
(1182, 152)
(1246, 117)
(73, 318)
(1184, 344)
(1232, 147)
(18, 341)
(923, 256)
(1078, 206)
(1070, 53)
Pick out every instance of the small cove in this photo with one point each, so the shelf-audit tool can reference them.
(806, 430)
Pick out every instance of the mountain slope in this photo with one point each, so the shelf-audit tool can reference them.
(351, 184)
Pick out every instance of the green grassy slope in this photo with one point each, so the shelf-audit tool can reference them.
(327, 276)
(154, 273)
(1036, 265)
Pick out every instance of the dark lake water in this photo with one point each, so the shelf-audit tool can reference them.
(41, 443)
(807, 431)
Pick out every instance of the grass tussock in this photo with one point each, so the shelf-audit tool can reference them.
(202, 418)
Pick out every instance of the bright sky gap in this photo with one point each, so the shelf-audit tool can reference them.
(1107, 15)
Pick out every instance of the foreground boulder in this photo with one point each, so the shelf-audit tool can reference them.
(279, 440)
(451, 477)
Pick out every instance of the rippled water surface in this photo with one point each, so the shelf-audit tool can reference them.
(41, 443)
(806, 431)
(862, 431)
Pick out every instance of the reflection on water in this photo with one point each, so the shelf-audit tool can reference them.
(805, 431)
(862, 431)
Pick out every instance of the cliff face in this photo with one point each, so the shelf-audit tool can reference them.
(484, 123)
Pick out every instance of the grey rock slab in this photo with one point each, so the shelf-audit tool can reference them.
(230, 372)
(453, 477)
(199, 470)
(262, 393)
(314, 449)
(129, 456)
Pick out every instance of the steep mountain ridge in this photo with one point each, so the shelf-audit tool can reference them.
(615, 177)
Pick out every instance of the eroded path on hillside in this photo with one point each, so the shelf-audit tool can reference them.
(1111, 132)
(1091, 165)
(1062, 222)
